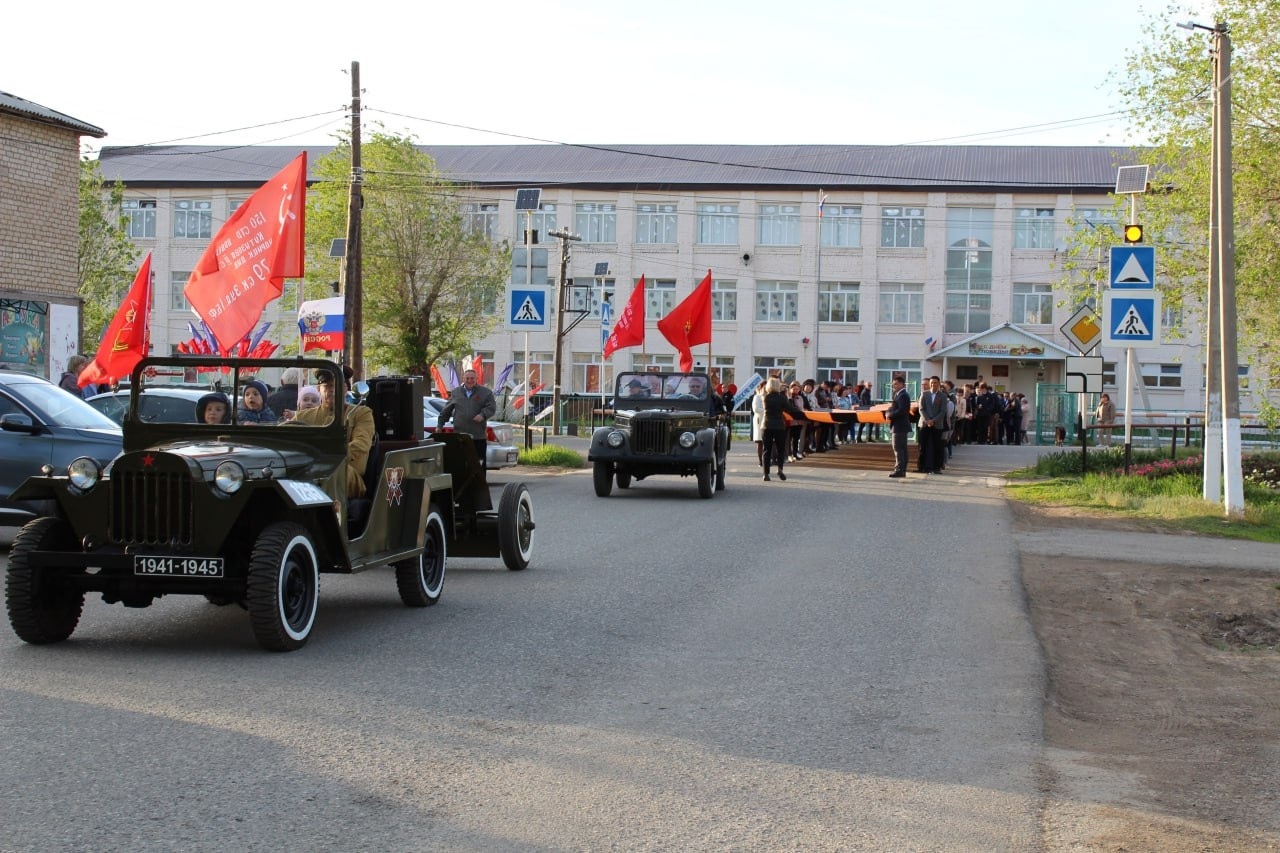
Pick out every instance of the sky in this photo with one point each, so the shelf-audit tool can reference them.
(998, 72)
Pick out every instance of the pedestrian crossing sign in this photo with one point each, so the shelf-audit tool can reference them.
(527, 309)
(1132, 320)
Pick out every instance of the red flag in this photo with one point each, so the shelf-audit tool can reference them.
(477, 364)
(628, 331)
(689, 323)
(245, 266)
(126, 340)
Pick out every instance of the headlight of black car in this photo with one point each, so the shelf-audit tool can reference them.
(229, 477)
(687, 440)
(614, 439)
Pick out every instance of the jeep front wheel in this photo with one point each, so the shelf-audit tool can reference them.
(602, 478)
(706, 479)
(45, 611)
(283, 590)
(624, 479)
(420, 580)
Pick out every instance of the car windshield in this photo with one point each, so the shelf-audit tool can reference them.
(661, 386)
(237, 397)
(58, 407)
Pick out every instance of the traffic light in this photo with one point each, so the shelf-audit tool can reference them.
(1133, 234)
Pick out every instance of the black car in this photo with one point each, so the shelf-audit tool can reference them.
(43, 425)
(664, 423)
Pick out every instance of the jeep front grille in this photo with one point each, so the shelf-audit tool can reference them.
(150, 508)
(649, 436)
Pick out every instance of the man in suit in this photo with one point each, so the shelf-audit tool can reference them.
(933, 416)
(899, 416)
(470, 406)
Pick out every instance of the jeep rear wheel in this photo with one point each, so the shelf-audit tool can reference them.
(43, 612)
(722, 466)
(602, 478)
(420, 580)
(283, 590)
(624, 479)
(706, 479)
(515, 526)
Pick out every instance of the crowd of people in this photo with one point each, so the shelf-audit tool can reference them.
(942, 416)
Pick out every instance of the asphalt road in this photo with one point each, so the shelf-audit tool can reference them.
(841, 661)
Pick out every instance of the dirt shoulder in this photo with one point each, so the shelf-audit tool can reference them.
(1162, 724)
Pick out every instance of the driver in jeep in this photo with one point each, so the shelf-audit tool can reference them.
(359, 423)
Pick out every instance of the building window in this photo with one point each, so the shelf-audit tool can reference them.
(966, 372)
(1033, 228)
(783, 367)
(1098, 219)
(838, 302)
(779, 225)
(520, 268)
(1162, 375)
(968, 275)
(177, 300)
(192, 219)
(1109, 374)
(717, 224)
(843, 371)
(887, 368)
(233, 204)
(140, 218)
(777, 301)
(901, 304)
(588, 298)
(842, 225)
(1033, 304)
(659, 298)
(656, 223)
(481, 217)
(597, 222)
(588, 373)
(1170, 314)
(902, 227)
(723, 371)
(541, 221)
(648, 362)
(724, 300)
(541, 367)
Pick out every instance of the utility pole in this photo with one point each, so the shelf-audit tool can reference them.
(1233, 476)
(353, 307)
(565, 238)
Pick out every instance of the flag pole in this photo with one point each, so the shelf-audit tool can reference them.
(817, 290)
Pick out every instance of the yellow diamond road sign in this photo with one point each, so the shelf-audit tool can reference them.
(1084, 329)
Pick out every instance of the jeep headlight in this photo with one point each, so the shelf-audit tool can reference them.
(614, 439)
(229, 477)
(84, 473)
(687, 440)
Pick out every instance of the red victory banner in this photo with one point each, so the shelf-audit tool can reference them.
(689, 323)
(127, 338)
(629, 330)
(245, 266)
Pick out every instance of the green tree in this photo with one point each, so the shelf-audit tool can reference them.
(429, 281)
(105, 259)
(1166, 84)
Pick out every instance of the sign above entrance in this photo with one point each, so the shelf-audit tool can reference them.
(1084, 329)
(1012, 350)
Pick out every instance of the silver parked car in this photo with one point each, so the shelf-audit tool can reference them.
(155, 404)
(41, 424)
(499, 451)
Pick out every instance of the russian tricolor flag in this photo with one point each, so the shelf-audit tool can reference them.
(320, 324)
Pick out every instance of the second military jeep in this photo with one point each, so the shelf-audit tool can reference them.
(664, 423)
(252, 513)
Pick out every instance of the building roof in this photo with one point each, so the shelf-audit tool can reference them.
(955, 168)
(31, 111)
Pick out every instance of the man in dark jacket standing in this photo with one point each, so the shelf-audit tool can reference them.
(899, 415)
(470, 406)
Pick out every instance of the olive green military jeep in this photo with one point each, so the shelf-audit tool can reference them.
(251, 514)
(663, 423)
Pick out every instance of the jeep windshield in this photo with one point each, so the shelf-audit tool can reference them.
(644, 389)
(228, 394)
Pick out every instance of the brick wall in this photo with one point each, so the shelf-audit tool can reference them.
(39, 176)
